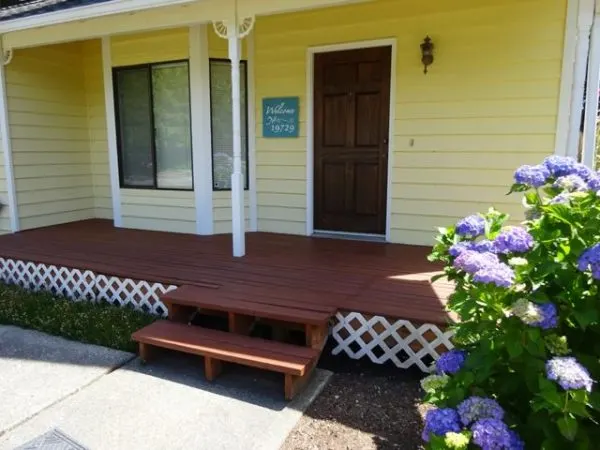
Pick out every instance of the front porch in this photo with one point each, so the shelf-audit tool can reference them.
(387, 308)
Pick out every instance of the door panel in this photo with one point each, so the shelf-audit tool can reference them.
(351, 113)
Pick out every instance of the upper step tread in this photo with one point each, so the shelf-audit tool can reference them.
(227, 346)
(235, 301)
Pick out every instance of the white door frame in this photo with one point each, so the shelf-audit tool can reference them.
(310, 163)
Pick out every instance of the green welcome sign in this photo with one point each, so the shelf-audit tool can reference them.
(280, 117)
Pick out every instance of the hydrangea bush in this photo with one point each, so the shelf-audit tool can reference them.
(527, 342)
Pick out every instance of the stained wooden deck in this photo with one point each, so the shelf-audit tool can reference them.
(373, 278)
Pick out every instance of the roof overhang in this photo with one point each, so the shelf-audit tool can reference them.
(132, 16)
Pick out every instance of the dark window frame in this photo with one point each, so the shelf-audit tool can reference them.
(148, 66)
(243, 63)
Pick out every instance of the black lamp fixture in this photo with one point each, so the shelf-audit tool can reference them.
(426, 53)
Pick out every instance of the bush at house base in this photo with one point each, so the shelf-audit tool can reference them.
(527, 353)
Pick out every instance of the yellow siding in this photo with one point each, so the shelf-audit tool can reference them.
(49, 135)
(96, 120)
(488, 104)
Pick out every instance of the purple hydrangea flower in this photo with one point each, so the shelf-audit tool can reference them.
(477, 408)
(499, 274)
(590, 260)
(440, 421)
(571, 183)
(583, 171)
(560, 165)
(549, 316)
(458, 248)
(560, 199)
(535, 176)
(451, 362)
(471, 226)
(492, 434)
(483, 246)
(471, 261)
(568, 373)
(594, 182)
(513, 240)
(515, 442)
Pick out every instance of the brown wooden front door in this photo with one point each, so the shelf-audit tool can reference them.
(352, 103)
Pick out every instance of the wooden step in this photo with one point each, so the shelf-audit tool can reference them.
(230, 347)
(235, 301)
(295, 362)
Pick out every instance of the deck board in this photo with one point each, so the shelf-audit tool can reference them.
(368, 277)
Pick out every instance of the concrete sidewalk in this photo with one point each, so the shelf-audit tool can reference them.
(37, 370)
(169, 405)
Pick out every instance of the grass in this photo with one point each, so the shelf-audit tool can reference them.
(93, 323)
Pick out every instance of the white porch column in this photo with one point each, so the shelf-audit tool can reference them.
(234, 30)
(7, 145)
(591, 98)
(584, 24)
(237, 178)
(111, 132)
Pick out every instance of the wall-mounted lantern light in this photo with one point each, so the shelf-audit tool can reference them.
(426, 53)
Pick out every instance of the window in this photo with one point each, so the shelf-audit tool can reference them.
(153, 126)
(221, 123)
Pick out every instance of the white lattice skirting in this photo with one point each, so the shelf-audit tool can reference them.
(400, 342)
(84, 284)
(355, 334)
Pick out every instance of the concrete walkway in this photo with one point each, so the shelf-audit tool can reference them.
(169, 405)
(38, 370)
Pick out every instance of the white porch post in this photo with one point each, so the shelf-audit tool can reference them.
(591, 98)
(7, 144)
(237, 179)
(584, 24)
(234, 30)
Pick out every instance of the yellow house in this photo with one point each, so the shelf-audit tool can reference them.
(123, 110)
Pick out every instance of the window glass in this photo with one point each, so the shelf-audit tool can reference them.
(171, 97)
(135, 128)
(221, 123)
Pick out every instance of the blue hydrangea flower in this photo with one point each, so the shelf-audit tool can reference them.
(571, 183)
(568, 373)
(499, 274)
(439, 422)
(583, 171)
(513, 240)
(535, 176)
(483, 246)
(451, 362)
(475, 408)
(594, 182)
(561, 199)
(549, 316)
(492, 434)
(515, 442)
(560, 165)
(458, 248)
(590, 260)
(471, 261)
(471, 226)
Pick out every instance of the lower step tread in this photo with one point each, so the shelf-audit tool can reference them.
(230, 347)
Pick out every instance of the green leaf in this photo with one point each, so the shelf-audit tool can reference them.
(515, 349)
(568, 427)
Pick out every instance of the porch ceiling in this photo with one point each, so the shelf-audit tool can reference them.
(130, 16)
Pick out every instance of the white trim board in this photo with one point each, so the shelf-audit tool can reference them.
(251, 117)
(200, 122)
(310, 163)
(7, 151)
(111, 132)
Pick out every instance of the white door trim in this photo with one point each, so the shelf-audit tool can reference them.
(111, 132)
(200, 122)
(310, 57)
